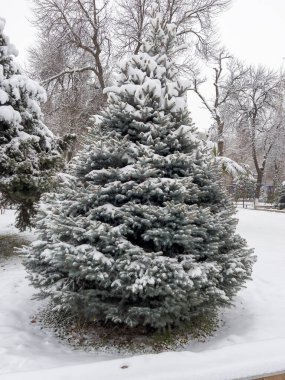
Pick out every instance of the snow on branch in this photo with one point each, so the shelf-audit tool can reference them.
(69, 72)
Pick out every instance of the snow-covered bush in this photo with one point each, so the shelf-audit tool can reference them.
(225, 164)
(244, 185)
(281, 201)
(142, 233)
(28, 152)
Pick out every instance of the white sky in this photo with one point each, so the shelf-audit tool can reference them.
(253, 30)
(21, 33)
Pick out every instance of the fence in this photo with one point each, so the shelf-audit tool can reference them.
(246, 194)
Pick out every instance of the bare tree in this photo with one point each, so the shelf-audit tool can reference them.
(194, 20)
(227, 80)
(71, 99)
(130, 23)
(81, 26)
(257, 113)
(72, 61)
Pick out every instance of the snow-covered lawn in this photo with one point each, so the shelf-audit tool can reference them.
(251, 341)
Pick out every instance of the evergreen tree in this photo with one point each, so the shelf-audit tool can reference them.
(281, 203)
(142, 233)
(29, 155)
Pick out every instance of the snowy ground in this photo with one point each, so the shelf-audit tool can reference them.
(251, 341)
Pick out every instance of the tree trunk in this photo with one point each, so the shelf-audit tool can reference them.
(220, 136)
(258, 183)
(220, 148)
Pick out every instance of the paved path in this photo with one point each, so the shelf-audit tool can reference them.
(274, 377)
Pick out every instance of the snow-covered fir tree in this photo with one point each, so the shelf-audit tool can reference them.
(142, 233)
(29, 154)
